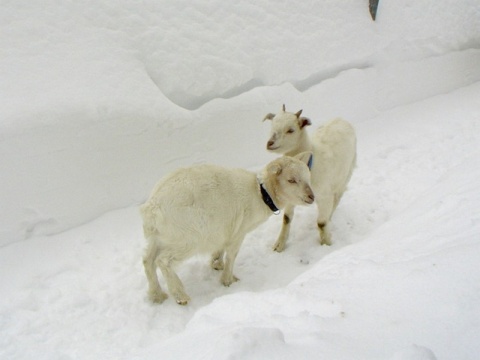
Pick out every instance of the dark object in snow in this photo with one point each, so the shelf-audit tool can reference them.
(373, 8)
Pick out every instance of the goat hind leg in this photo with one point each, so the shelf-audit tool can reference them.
(175, 286)
(325, 208)
(155, 292)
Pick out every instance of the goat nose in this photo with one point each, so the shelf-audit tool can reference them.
(310, 196)
(270, 143)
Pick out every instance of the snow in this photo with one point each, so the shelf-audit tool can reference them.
(98, 101)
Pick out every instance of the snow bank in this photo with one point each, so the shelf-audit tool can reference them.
(99, 101)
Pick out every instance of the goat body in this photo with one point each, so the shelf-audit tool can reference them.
(334, 156)
(210, 209)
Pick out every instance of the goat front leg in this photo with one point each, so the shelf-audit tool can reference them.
(230, 255)
(284, 233)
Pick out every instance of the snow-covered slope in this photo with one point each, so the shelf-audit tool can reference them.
(406, 290)
(400, 282)
(98, 100)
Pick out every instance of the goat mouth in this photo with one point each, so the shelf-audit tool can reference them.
(309, 200)
(272, 148)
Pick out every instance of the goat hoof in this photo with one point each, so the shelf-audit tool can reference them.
(326, 242)
(182, 300)
(229, 282)
(157, 297)
(217, 265)
(279, 248)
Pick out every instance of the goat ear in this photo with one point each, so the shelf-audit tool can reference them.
(269, 116)
(275, 169)
(304, 156)
(298, 113)
(304, 121)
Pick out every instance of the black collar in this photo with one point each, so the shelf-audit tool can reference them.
(268, 200)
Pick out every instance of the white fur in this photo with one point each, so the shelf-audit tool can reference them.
(334, 156)
(210, 209)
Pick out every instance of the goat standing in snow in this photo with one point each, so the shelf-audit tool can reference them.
(334, 156)
(208, 208)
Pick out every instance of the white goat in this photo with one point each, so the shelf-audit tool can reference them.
(208, 208)
(334, 156)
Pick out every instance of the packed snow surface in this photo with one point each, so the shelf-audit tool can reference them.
(100, 99)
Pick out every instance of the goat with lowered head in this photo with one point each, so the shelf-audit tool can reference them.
(207, 208)
(334, 155)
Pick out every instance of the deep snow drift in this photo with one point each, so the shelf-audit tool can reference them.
(98, 101)
(96, 98)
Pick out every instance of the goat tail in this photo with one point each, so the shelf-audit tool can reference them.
(149, 216)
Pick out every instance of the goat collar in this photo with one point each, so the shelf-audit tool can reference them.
(268, 200)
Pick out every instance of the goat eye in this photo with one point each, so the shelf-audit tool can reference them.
(290, 131)
(292, 181)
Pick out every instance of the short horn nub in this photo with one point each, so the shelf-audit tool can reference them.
(283, 108)
(298, 113)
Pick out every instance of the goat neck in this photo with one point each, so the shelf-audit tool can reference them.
(303, 145)
(270, 186)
